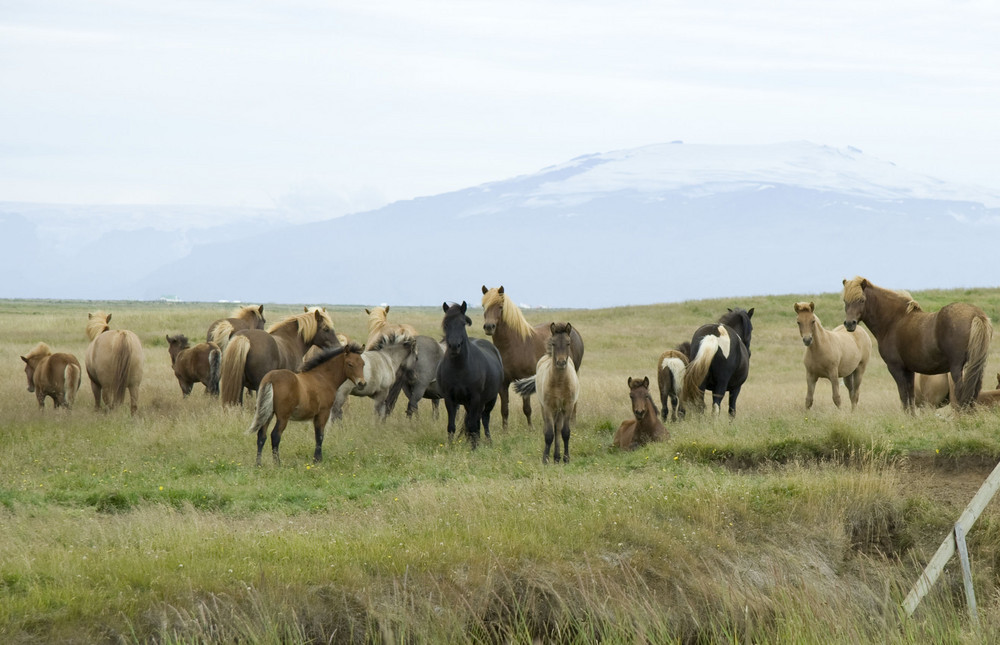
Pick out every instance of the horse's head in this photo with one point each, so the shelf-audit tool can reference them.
(455, 321)
(175, 344)
(854, 302)
(492, 308)
(558, 345)
(325, 335)
(806, 320)
(739, 319)
(639, 395)
(354, 364)
(40, 351)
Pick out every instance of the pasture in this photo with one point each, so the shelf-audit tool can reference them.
(781, 525)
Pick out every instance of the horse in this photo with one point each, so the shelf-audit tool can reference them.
(308, 394)
(470, 374)
(417, 377)
(719, 361)
(558, 388)
(54, 375)
(990, 398)
(832, 354)
(931, 390)
(645, 426)
(246, 317)
(199, 364)
(114, 362)
(383, 360)
(670, 370)
(379, 325)
(955, 339)
(252, 353)
(520, 344)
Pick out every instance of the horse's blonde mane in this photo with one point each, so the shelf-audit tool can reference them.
(854, 291)
(246, 312)
(510, 313)
(379, 328)
(41, 349)
(305, 322)
(96, 324)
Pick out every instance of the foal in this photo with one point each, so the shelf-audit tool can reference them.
(646, 426)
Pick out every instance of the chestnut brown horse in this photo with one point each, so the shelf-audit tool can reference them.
(558, 388)
(198, 364)
(252, 353)
(305, 395)
(670, 370)
(955, 339)
(832, 354)
(645, 426)
(246, 317)
(114, 362)
(53, 375)
(520, 344)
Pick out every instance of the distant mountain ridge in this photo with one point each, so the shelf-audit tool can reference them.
(660, 223)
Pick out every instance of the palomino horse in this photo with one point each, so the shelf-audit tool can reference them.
(309, 394)
(520, 344)
(720, 361)
(832, 354)
(383, 360)
(558, 388)
(54, 375)
(470, 374)
(199, 364)
(670, 379)
(247, 317)
(955, 339)
(252, 353)
(645, 426)
(114, 362)
(417, 377)
(379, 325)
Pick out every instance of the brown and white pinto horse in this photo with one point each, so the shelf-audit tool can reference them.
(955, 339)
(520, 344)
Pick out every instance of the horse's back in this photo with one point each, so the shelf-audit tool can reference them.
(113, 353)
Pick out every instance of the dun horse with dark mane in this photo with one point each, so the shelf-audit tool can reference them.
(520, 344)
(114, 362)
(54, 375)
(955, 339)
(252, 353)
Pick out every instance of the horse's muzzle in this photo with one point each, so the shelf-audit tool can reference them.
(562, 364)
(489, 328)
(807, 340)
(850, 325)
(639, 414)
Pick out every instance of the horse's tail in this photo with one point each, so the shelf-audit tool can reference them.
(698, 368)
(71, 374)
(265, 408)
(525, 386)
(980, 335)
(214, 370)
(221, 333)
(234, 362)
(121, 368)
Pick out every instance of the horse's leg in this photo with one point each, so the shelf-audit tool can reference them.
(810, 388)
(835, 387)
(904, 383)
(393, 394)
(261, 439)
(279, 427)
(956, 386)
(452, 409)
(319, 425)
(96, 388)
(733, 395)
(852, 391)
(186, 387)
(487, 412)
(41, 398)
(434, 408)
(415, 394)
(550, 434)
(504, 402)
(133, 399)
(526, 406)
(473, 417)
(565, 438)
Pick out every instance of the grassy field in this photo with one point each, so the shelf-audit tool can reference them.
(781, 526)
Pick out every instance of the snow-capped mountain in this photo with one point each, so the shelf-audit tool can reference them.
(660, 223)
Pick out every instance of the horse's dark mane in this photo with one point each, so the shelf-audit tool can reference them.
(182, 341)
(735, 318)
(327, 354)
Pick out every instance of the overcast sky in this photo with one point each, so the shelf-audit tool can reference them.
(348, 105)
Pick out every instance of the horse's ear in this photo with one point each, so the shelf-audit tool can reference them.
(729, 309)
(108, 319)
(569, 328)
(750, 313)
(485, 289)
(168, 338)
(260, 310)
(465, 306)
(844, 282)
(368, 311)
(305, 309)
(387, 309)
(865, 284)
(552, 327)
(500, 290)
(630, 381)
(645, 381)
(812, 306)
(444, 306)
(319, 315)
(26, 360)
(89, 316)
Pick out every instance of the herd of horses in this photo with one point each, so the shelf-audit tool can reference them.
(301, 369)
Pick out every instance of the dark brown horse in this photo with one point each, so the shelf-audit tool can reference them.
(246, 317)
(252, 353)
(955, 339)
(114, 362)
(646, 425)
(198, 364)
(520, 344)
(54, 375)
(308, 394)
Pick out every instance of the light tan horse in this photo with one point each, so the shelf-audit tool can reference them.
(114, 362)
(54, 375)
(932, 390)
(832, 354)
(246, 317)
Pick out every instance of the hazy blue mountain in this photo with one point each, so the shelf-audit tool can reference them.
(660, 223)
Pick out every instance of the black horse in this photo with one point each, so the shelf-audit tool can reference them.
(469, 374)
(720, 361)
